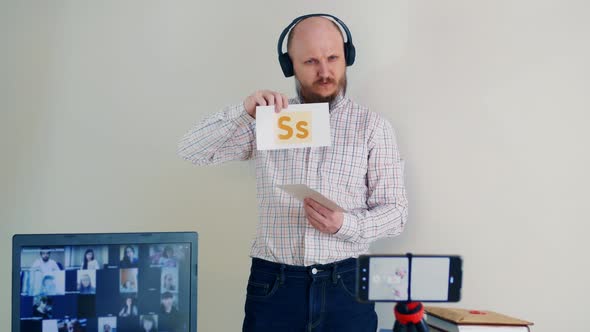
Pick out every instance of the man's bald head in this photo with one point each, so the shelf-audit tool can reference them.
(316, 49)
(314, 27)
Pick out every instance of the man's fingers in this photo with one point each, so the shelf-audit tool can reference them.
(313, 213)
(322, 218)
(315, 223)
(260, 101)
(265, 98)
(278, 102)
(270, 99)
(318, 207)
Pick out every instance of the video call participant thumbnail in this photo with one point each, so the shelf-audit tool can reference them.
(86, 282)
(107, 324)
(169, 315)
(43, 307)
(44, 263)
(129, 257)
(169, 280)
(90, 262)
(129, 308)
(149, 323)
(128, 281)
(51, 284)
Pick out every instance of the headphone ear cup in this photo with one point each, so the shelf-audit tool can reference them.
(286, 64)
(350, 53)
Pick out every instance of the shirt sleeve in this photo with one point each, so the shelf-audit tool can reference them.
(387, 205)
(224, 136)
(54, 266)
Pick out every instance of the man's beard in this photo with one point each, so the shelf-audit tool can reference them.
(306, 95)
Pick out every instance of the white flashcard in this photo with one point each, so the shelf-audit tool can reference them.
(298, 126)
(301, 192)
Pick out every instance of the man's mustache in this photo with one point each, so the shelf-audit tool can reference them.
(325, 80)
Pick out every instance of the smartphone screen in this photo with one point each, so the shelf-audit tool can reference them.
(397, 278)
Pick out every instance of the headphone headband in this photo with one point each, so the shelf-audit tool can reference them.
(285, 60)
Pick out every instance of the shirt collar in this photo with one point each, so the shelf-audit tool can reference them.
(337, 102)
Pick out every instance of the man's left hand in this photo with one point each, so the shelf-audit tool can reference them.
(322, 218)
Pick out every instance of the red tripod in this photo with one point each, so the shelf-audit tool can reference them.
(409, 317)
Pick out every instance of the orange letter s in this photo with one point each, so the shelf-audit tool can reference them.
(302, 128)
(287, 128)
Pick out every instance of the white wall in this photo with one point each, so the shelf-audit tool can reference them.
(489, 98)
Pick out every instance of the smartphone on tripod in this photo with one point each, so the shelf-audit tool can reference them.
(408, 278)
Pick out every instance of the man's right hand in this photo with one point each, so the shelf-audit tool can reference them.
(265, 98)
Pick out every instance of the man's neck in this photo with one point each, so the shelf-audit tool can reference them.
(335, 103)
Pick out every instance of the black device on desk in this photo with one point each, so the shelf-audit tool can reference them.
(407, 280)
(105, 282)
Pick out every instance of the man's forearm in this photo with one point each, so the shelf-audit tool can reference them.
(224, 136)
(367, 225)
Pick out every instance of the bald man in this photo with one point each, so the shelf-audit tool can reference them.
(303, 270)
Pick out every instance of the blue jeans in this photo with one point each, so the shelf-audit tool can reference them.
(318, 298)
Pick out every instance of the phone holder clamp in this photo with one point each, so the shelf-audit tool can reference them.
(409, 317)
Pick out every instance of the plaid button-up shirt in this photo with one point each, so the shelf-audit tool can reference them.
(361, 172)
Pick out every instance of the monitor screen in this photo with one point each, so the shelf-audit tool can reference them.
(105, 288)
